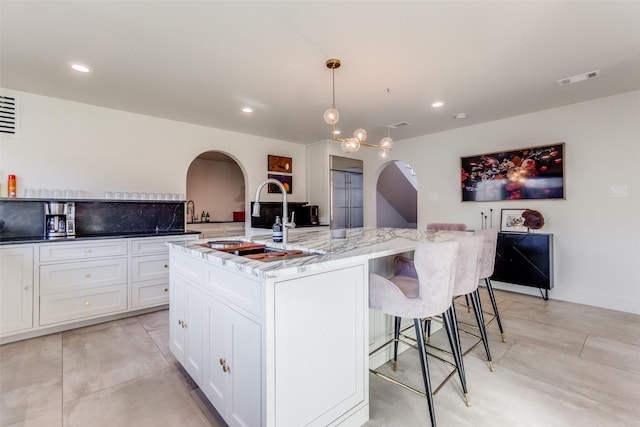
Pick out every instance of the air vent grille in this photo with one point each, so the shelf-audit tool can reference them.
(9, 115)
(398, 125)
(579, 78)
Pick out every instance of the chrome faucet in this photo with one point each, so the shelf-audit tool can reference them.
(285, 220)
(191, 212)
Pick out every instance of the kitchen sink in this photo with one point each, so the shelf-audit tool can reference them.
(277, 254)
(258, 251)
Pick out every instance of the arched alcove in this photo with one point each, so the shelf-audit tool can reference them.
(216, 185)
(397, 196)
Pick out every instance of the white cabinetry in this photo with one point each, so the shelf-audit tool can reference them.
(149, 272)
(185, 315)
(232, 367)
(263, 363)
(58, 285)
(92, 281)
(16, 288)
(232, 346)
(320, 324)
(211, 230)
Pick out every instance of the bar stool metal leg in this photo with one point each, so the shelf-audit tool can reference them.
(422, 351)
(495, 307)
(454, 340)
(396, 341)
(477, 307)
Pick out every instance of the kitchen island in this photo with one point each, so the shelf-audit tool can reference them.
(285, 342)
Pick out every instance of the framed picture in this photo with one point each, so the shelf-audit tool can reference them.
(529, 173)
(280, 164)
(286, 180)
(512, 220)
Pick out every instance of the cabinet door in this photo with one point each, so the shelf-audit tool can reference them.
(243, 338)
(193, 332)
(214, 382)
(176, 317)
(232, 364)
(16, 289)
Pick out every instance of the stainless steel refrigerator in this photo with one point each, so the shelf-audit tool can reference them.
(347, 208)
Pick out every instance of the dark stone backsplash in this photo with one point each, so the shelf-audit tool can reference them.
(25, 218)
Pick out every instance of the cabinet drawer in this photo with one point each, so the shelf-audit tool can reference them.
(188, 267)
(76, 305)
(235, 288)
(73, 251)
(82, 275)
(150, 267)
(149, 293)
(149, 246)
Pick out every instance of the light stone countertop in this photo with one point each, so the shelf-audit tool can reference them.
(359, 244)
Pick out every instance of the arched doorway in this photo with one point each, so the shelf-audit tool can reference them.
(216, 186)
(397, 196)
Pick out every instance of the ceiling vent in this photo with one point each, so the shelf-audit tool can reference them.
(9, 115)
(398, 125)
(579, 78)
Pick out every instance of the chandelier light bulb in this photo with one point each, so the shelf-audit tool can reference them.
(331, 116)
(360, 134)
(383, 154)
(386, 143)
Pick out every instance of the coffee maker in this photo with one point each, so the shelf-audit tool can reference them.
(59, 219)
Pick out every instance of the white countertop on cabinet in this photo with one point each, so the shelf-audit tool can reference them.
(360, 243)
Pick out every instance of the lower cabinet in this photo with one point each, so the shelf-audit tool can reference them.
(274, 351)
(185, 330)
(65, 284)
(16, 289)
(232, 370)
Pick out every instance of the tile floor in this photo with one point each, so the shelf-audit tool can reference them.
(563, 365)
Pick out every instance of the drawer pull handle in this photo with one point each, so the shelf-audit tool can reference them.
(87, 251)
(166, 289)
(225, 367)
(87, 303)
(27, 287)
(166, 266)
(87, 275)
(180, 322)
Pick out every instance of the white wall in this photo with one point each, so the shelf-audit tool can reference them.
(66, 144)
(597, 237)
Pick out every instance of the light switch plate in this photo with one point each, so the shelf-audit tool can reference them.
(619, 191)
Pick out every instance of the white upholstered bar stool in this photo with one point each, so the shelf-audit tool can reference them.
(486, 269)
(428, 295)
(467, 278)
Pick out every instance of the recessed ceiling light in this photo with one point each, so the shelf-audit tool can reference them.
(247, 110)
(460, 116)
(80, 67)
(437, 104)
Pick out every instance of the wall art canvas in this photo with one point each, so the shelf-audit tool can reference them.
(286, 180)
(529, 173)
(280, 164)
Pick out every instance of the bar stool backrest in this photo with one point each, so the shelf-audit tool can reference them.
(488, 251)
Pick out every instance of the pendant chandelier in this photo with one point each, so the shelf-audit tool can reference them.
(351, 145)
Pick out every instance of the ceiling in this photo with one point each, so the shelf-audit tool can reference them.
(201, 61)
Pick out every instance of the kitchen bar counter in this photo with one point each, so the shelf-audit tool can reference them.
(360, 244)
(282, 343)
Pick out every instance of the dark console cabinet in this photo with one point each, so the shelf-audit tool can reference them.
(525, 259)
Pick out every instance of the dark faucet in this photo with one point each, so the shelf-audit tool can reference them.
(191, 211)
